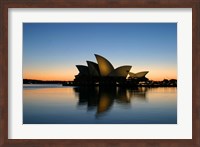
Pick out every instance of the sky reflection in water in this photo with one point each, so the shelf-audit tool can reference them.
(75, 105)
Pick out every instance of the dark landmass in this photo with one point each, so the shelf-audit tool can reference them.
(32, 81)
(126, 83)
(147, 83)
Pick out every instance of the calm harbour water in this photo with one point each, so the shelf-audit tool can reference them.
(54, 104)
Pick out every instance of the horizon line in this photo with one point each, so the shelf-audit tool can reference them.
(73, 80)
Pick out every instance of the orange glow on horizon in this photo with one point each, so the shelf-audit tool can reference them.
(156, 73)
(54, 75)
(71, 77)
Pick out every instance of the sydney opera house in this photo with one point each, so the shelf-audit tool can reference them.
(103, 73)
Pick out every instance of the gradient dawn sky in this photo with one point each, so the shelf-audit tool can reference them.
(51, 50)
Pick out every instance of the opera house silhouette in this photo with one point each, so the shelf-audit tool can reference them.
(103, 73)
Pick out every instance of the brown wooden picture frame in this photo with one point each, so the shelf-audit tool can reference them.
(194, 4)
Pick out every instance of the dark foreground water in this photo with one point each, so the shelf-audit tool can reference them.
(54, 104)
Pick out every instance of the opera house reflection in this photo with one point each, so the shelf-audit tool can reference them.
(101, 99)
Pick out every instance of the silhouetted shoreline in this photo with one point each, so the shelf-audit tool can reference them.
(32, 81)
(150, 83)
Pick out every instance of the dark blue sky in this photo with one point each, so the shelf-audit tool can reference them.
(51, 50)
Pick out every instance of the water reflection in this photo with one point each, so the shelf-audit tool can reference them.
(94, 105)
(102, 99)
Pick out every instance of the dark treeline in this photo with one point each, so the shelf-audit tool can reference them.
(147, 83)
(31, 81)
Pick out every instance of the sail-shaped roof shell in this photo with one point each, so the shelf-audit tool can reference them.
(105, 67)
(93, 68)
(138, 75)
(121, 71)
